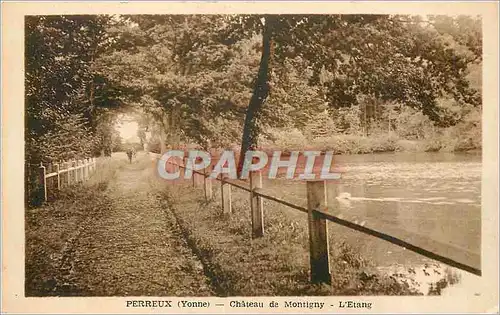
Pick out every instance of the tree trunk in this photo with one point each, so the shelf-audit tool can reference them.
(92, 90)
(92, 93)
(260, 93)
(174, 135)
(163, 135)
(364, 123)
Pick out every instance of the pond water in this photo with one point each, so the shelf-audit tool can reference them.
(429, 199)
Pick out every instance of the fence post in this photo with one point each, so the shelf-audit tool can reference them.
(61, 169)
(256, 205)
(318, 233)
(75, 175)
(68, 173)
(76, 171)
(184, 162)
(87, 173)
(207, 184)
(226, 196)
(49, 182)
(84, 170)
(89, 167)
(193, 174)
(91, 164)
(58, 177)
(43, 182)
(82, 173)
(68, 178)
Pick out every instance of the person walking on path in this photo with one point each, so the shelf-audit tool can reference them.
(130, 154)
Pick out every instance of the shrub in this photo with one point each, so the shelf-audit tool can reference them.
(412, 124)
(466, 135)
(354, 144)
(320, 125)
(285, 139)
(348, 120)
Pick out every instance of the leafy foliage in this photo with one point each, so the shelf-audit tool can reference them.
(64, 98)
(62, 93)
(217, 80)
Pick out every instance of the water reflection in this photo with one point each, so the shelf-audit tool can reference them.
(436, 195)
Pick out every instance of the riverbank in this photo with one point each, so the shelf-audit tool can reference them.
(355, 144)
(345, 144)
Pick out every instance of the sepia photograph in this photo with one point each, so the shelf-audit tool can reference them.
(254, 155)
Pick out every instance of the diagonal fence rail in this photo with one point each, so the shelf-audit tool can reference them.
(319, 213)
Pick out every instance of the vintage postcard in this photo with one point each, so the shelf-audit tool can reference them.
(250, 157)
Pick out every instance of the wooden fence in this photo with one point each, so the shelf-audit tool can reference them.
(65, 174)
(318, 215)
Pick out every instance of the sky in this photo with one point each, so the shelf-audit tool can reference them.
(128, 129)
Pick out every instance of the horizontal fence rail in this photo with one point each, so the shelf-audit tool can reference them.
(65, 174)
(319, 213)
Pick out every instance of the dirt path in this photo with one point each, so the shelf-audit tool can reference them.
(136, 248)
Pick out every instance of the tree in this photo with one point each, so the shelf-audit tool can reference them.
(185, 71)
(177, 71)
(390, 57)
(61, 82)
(64, 97)
(260, 93)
